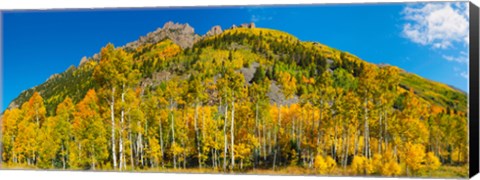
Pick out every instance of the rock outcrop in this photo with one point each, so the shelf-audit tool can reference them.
(244, 25)
(181, 34)
(215, 30)
(83, 61)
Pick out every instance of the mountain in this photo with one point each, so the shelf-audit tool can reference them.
(75, 82)
(244, 99)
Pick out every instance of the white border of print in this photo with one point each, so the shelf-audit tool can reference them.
(81, 4)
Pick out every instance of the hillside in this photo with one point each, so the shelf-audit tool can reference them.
(173, 35)
(244, 99)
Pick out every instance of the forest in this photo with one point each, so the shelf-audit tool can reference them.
(247, 100)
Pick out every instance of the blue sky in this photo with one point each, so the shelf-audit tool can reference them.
(426, 39)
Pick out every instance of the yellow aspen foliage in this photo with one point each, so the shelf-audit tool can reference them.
(362, 165)
(242, 151)
(89, 132)
(391, 168)
(37, 109)
(9, 131)
(289, 84)
(331, 164)
(294, 157)
(320, 164)
(414, 156)
(48, 144)
(357, 164)
(432, 162)
(154, 151)
(176, 149)
(377, 163)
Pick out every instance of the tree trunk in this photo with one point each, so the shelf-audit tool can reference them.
(142, 159)
(276, 136)
(346, 149)
(120, 137)
(386, 130)
(161, 142)
(197, 141)
(14, 154)
(365, 132)
(232, 129)
(173, 134)
(355, 150)
(63, 157)
(225, 139)
(335, 142)
(270, 139)
(256, 136)
(319, 125)
(299, 139)
(93, 162)
(131, 151)
(380, 138)
(137, 148)
(112, 115)
(215, 159)
(183, 154)
(203, 129)
(264, 134)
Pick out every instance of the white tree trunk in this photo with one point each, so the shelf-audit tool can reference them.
(173, 134)
(197, 140)
(276, 135)
(225, 138)
(112, 115)
(365, 131)
(257, 133)
(161, 141)
(120, 137)
(232, 152)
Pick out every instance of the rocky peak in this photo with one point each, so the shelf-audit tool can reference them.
(181, 34)
(83, 61)
(382, 65)
(244, 25)
(184, 28)
(215, 30)
(53, 76)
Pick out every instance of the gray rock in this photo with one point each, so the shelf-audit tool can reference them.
(383, 65)
(83, 61)
(249, 72)
(215, 30)
(329, 61)
(276, 96)
(53, 76)
(97, 57)
(181, 34)
(248, 25)
(13, 105)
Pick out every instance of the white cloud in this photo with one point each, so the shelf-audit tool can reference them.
(438, 25)
(254, 18)
(460, 73)
(464, 74)
(257, 18)
(462, 58)
(259, 13)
